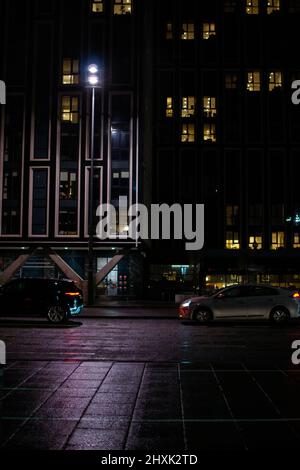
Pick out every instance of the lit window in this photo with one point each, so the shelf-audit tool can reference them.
(255, 242)
(169, 108)
(252, 7)
(209, 30)
(169, 32)
(70, 109)
(209, 132)
(229, 6)
(68, 185)
(188, 31)
(170, 276)
(70, 72)
(97, 6)
(231, 80)
(296, 242)
(277, 240)
(122, 7)
(253, 82)
(232, 241)
(232, 215)
(188, 106)
(209, 106)
(273, 6)
(188, 133)
(275, 81)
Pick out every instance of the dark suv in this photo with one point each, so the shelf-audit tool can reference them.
(55, 299)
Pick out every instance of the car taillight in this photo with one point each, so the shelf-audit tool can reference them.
(72, 294)
(183, 312)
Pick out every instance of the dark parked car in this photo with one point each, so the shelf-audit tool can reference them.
(54, 299)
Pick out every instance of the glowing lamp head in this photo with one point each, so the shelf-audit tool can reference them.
(93, 68)
(93, 80)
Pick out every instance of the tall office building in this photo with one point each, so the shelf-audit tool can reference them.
(45, 152)
(226, 134)
(194, 107)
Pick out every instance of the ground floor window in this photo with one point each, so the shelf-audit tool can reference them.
(219, 281)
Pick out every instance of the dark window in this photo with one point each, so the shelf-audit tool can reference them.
(68, 221)
(42, 91)
(13, 149)
(39, 201)
(229, 6)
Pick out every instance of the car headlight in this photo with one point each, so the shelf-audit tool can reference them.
(186, 304)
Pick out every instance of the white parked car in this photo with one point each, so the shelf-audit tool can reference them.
(244, 302)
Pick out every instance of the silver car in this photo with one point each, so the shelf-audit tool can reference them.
(242, 302)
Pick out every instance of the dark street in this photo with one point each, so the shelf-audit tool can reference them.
(149, 384)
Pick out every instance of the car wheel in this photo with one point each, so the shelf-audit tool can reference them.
(203, 315)
(280, 315)
(57, 314)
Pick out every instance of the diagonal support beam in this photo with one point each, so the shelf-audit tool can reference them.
(14, 267)
(108, 268)
(65, 268)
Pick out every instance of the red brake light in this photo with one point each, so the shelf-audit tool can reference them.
(72, 294)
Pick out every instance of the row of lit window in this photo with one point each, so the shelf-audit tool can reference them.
(188, 31)
(70, 104)
(255, 242)
(253, 7)
(188, 133)
(209, 28)
(71, 76)
(121, 7)
(254, 81)
(188, 104)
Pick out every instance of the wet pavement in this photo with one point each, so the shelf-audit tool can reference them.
(149, 384)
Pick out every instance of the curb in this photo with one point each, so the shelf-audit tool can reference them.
(132, 306)
(127, 317)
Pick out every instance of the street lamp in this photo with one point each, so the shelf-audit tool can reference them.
(93, 82)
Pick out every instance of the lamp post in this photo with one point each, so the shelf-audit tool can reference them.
(93, 81)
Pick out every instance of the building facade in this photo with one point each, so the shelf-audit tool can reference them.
(194, 107)
(226, 134)
(45, 150)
